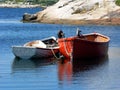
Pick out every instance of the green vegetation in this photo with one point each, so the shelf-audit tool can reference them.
(46, 2)
(41, 2)
(117, 2)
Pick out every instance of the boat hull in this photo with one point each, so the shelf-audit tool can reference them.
(33, 52)
(76, 48)
(86, 49)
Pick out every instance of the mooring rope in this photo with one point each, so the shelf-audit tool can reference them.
(54, 53)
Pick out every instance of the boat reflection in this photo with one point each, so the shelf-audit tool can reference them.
(88, 64)
(20, 64)
(67, 68)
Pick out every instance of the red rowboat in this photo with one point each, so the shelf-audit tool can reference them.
(86, 46)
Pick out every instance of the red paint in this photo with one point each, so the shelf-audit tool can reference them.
(89, 46)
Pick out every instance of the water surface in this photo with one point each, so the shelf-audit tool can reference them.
(50, 74)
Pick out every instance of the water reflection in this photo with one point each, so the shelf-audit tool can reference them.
(67, 68)
(19, 64)
(88, 64)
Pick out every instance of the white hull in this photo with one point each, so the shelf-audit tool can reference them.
(33, 52)
(37, 49)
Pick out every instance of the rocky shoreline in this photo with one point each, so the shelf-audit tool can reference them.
(3, 5)
(67, 12)
(113, 21)
(80, 12)
(34, 18)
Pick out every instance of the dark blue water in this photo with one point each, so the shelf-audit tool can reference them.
(50, 74)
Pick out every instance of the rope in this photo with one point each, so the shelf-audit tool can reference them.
(65, 47)
(54, 53)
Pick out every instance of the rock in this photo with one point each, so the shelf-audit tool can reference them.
(79, 11)
(29, 17)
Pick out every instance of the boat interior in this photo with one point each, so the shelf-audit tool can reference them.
(96, 38)
(42, 44)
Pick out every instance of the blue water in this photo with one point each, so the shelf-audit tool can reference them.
(51, 74)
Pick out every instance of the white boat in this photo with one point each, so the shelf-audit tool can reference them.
(45, 48)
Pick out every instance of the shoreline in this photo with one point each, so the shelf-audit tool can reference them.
(113, 21)
(3, 5)
(65, 12)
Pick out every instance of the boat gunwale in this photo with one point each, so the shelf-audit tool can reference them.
(108, 39)
(77, 38)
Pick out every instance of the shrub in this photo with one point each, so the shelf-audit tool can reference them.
(117, 2)
(46, 2)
